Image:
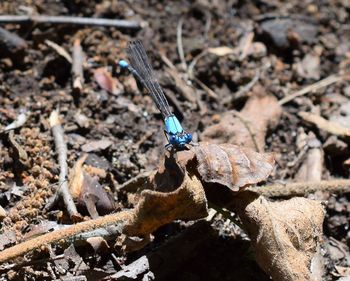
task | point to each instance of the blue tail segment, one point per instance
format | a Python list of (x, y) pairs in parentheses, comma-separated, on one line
[(142, 70), (123, 64)]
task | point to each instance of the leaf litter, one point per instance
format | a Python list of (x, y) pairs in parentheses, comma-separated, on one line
[(221, 172)]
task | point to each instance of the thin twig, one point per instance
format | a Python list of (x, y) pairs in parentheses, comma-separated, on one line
[(25, 19), (244, 89), (303, 188), (64, 234), (144, 137), (312, 88), (248, 127), (180, 48), (186, 91), (209, 91), (77, 67), (61, 147), (191, 75), (194, 62), (207, 25)]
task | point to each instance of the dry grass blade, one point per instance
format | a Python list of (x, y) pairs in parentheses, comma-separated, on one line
[(325, 125), (312, 88), (62, 52)]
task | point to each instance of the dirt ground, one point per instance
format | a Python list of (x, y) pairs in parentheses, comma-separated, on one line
[(269, 75)]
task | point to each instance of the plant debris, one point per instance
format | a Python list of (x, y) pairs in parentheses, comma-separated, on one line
[(87, 189)]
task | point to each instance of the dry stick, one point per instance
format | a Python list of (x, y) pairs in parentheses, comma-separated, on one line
[(77, 67), (303, 188), (117, 219), (190, 73), (180, 48), (209, 91), (61, 147), (11, 42), (23, 19), (312, 88)]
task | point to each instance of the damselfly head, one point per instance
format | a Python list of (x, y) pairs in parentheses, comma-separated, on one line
[(180, 140)]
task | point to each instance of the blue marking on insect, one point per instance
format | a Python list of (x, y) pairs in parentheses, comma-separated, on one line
[(176, 134), (123, 64)]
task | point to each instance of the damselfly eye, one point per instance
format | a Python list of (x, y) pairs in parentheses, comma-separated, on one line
[(188, 137)]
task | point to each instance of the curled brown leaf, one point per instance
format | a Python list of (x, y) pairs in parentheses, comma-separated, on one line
[(87, 191), (285, 234), (155, 208), (105, 80), (228, 164)]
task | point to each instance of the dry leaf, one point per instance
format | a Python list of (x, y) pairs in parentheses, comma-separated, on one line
[(126, 244), (309, 67), (7, 238), (105, 80), (42, 228), (248, 127), (82, 120), (231, 165), (343, 271), (155, 208), (99, 244), (3, 213), (71, 260), (96, 145), (285, 234), (88, 192), (76, 177), (93, 171), (93, 191)]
